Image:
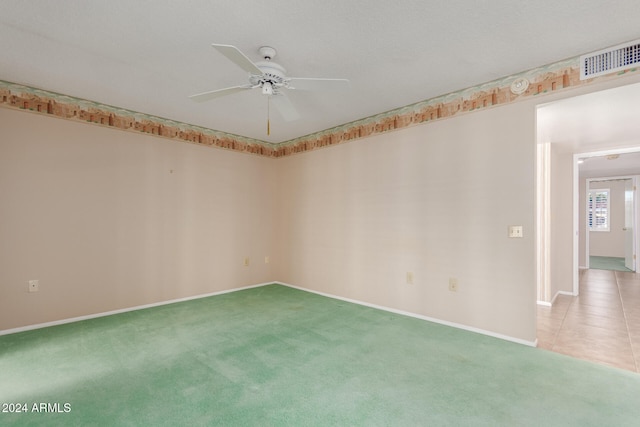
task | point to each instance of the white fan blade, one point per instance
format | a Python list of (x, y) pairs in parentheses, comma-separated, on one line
[(284, 106), (206, 96), (301, 83), (238, 58)]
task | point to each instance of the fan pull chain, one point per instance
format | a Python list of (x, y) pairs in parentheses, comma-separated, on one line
[(268, 115)]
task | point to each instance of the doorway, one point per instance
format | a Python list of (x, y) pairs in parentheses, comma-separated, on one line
[(611, 223), (588, 323), (586, 128), (612, 229)]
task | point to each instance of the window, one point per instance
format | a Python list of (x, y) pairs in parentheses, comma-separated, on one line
[(598, 209)]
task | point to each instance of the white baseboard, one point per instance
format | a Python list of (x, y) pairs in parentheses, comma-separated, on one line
[(418, 316), (553, 300), (571, 294), (379, 307), (124, 310)]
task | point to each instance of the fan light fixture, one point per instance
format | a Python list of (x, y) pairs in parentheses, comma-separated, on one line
[(267, 88)]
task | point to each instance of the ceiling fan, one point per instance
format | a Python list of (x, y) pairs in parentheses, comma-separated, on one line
[(271, 78)]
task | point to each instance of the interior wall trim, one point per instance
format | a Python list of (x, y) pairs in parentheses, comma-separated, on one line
[(124, 310), (541, 81), (226, 291), (66, 107), (418, 316)]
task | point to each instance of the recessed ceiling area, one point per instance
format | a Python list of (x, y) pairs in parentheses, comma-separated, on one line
[(150, 56), (596, 122), (611, 165)]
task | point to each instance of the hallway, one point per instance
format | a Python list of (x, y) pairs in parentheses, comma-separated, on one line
[(601, 325)]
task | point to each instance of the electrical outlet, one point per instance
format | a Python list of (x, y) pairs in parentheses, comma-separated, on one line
[(34, 285), (246, 261), (453, 284), (409, 278), (515, 231), (266, 260)]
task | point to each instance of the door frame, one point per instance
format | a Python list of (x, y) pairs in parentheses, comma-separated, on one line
[(576, 211), (634, 220)]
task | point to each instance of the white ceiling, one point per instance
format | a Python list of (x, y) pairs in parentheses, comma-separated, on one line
[(149, 56), (594, 121), (609, 166), (605, 121)]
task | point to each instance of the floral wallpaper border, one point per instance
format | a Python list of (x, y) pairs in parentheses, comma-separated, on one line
[(542, 80)]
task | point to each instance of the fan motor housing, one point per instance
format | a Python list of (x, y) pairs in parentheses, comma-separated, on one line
[(271, 72)]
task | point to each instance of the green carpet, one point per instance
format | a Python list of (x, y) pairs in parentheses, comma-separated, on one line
[(607, 263), (276, 356)]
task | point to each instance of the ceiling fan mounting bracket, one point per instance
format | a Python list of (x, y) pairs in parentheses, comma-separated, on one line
[(267, 52)]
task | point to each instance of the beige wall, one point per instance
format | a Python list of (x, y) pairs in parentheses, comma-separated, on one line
[(582, 223), (561, 218), (435, 200), (107, 219)]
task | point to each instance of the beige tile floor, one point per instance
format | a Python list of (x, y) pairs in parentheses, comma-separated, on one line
[(601, 325)]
